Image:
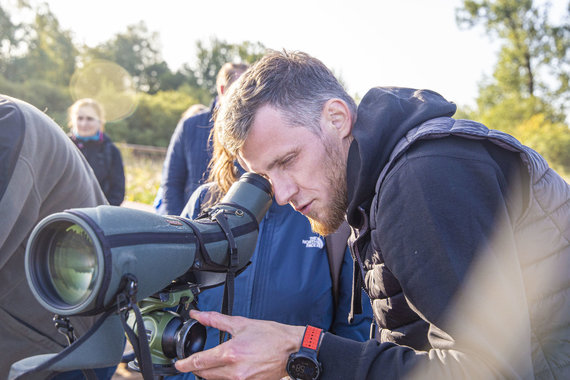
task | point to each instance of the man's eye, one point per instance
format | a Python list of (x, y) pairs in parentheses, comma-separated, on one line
[(287, 160)]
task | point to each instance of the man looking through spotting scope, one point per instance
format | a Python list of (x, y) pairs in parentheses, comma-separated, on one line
[(460, 233)]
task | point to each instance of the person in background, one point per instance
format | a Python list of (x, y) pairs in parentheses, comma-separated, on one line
[(41, 173), (193, 110), (87, 126), (454, 225), (290, 279), (186, 163)]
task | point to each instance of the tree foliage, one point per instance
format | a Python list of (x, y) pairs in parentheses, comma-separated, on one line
[(136, 50), (526, 95), (529, 91), (212, 55), (8, 39), (550, 139), (51, 99), (39, 60), (154, 119), (533, 60), (42, 50)]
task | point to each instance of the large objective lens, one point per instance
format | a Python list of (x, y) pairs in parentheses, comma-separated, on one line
[(73, 264)]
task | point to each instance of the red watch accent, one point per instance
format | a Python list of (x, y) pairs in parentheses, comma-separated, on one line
[(311, 338), (303, 364)]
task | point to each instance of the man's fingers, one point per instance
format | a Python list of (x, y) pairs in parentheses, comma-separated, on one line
[(216, 320), (204, 360)]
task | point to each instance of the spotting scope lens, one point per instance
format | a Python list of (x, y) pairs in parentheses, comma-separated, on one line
[(72, 263), (64, 264)]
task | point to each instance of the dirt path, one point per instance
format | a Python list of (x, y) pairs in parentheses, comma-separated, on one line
[(123, 373)]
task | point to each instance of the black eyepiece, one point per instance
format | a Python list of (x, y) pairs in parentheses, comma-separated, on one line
[(258, 181)]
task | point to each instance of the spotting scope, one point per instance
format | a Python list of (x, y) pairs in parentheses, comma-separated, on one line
[(79, 261)]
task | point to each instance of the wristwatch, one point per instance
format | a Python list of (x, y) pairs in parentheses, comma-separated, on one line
[(303, 364)]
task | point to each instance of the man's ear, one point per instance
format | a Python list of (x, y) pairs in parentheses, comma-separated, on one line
[(337, 115), (241, 162)]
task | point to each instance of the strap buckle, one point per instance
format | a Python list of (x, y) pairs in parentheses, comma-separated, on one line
[(64, 327)]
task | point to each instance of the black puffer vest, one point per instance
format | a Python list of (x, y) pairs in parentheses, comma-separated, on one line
[(548, 296)]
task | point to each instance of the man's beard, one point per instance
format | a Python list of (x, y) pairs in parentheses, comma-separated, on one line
[(333, 216)]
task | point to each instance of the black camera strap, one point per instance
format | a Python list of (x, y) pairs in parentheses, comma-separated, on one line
[(64, 327), (219, 216), (228, 299), (126, 301), (43, 368)]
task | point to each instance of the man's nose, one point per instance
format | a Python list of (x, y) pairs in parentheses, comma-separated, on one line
[(284, 190)]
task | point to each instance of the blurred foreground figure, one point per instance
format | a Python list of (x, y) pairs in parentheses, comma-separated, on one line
[(41, 172), (460, 234)]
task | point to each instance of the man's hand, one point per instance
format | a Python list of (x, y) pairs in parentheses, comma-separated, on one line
[(257, 350)]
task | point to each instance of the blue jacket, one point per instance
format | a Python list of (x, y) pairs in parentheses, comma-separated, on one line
[(288, 280), (186, 163)]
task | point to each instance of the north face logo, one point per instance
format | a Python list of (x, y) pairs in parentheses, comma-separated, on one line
[(314, 242)]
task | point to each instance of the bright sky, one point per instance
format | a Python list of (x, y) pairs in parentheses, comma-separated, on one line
[(414, 43)]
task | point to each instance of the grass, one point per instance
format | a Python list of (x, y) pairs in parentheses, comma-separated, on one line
[(143, 171)]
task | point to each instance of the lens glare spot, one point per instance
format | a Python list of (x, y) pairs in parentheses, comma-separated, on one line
[(73, 264)]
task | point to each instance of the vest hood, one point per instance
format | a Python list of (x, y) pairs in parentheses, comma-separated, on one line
[(384, 116)]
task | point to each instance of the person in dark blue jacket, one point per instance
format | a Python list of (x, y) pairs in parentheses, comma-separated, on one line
[(188, 154)]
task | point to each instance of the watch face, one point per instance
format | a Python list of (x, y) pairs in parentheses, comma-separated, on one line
[(303, 369)]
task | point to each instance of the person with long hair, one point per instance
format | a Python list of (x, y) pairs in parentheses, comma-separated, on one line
[(186, 164)]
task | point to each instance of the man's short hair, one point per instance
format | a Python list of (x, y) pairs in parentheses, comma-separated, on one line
[(293, 82)]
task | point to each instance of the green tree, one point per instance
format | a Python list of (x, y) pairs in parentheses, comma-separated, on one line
[(561, 57), (552, 140), (154, 119), (533, 60), (46, 96), (213, 54), (511, 111), (39, 50), (138, 51), (8, 38)]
